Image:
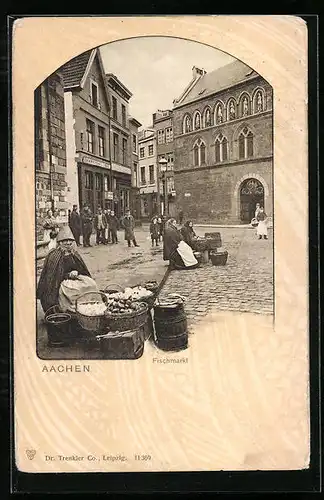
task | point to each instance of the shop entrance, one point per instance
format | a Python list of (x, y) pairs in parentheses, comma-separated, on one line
[(251, 193)]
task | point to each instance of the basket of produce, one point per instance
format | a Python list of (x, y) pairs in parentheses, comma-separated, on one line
[(152, 286), (199, 244), (213, 241), (90, 310), (218, 258), (113, 288), (125, 314)]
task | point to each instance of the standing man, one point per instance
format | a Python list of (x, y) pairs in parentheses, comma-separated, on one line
[(100, 224), (108, 217), (86, 225), (180, 217), (113, 226), (129, 225), (75, 224)]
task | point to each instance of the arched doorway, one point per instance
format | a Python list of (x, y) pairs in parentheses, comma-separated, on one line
[(251, 193)]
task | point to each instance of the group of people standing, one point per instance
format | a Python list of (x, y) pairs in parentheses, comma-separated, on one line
[(104, 222)]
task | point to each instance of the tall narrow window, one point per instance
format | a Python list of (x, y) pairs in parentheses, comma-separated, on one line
[(168, 134), (135, 174), (124, 115), (161, 136), (142, 152), (94, 94), (124, 152), (88, 180), (221, 145), (143, 180), (134, 144), (101, 141), (225, 149), (151, 174), (116, 148), (217, 151), (114, 107), (246, 144), (196, 155), (150, 150), (202, 154), (199, 153), (90, 136)]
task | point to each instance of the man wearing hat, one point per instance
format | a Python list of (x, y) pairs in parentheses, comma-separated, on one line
[(61, 263)]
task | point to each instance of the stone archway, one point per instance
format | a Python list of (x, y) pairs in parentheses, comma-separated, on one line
[(255, 192)]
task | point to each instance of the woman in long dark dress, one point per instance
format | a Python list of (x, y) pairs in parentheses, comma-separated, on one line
[(176, 250), (188, 233), (63, 262)]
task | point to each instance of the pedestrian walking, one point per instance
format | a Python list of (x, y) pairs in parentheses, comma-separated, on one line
[(161, 227), (262, 229), (107, 213), (154, 231), (180, 217), (113, 226), (129, 225), (87, 219), (100, 224), (75, 224)]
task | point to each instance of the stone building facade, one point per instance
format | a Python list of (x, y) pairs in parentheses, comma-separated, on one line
[(147, 177), (163, 126), (50, 151), (135, 201), (223, 145)]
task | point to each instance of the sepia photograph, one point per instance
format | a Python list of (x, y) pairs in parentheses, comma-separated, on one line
[(154, 197), (161, 270)]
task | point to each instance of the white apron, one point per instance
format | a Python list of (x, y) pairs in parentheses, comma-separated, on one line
[(262, 229), (186, 254)]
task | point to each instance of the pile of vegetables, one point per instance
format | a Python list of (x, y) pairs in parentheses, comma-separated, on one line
[(92, 308), (130, 294), (123, 305)]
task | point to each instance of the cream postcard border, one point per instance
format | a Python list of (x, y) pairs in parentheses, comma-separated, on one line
[(276, 47)]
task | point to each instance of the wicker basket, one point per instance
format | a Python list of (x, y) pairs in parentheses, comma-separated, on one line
[(213, 240), (126, 321), (113, 288), (90, 323), (219, 258), (200, 245)]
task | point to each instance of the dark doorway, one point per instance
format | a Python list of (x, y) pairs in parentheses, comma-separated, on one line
[(251, 193)]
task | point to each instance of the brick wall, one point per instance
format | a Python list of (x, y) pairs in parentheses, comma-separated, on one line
[(50, 137)]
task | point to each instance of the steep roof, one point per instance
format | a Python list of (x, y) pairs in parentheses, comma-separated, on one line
[(219, 79), (74, 70)]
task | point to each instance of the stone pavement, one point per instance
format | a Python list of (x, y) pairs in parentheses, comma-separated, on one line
[(245, 284)]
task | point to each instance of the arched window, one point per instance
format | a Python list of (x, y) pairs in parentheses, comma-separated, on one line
[(245, 105), (231, 109), (219, 113), (197, 121), (258, 101), (186, 126), (207, 119), (199, 153), (221, 148), (245, 142)]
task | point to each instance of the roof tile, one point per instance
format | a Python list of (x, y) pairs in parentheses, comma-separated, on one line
[(73, 70)]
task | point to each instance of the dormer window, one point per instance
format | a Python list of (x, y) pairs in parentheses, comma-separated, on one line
[(94, 94)]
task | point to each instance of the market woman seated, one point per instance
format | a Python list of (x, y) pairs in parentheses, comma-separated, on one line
[(188, 233), (176, 250), (64, 275)]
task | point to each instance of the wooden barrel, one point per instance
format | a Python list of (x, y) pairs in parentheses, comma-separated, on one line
[(58, 328), (170, 323)]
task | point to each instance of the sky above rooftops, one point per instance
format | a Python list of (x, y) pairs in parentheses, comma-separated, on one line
[(157, 69)]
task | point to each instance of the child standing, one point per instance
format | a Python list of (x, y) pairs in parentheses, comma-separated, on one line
[(154, 231)]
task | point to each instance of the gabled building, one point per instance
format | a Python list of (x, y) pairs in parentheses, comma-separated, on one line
[(223, 145), (99, 156), (147, 177)]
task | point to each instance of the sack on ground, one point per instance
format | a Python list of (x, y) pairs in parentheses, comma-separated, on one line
[(70, 290)]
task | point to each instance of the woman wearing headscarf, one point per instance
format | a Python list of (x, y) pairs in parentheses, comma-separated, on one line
[(175, 249), (62, 265), (51, 229), (188, 233), (262, 229)]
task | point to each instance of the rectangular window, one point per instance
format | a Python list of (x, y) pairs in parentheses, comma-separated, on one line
[(116, 148), (106, 183), (142, 152), (114, 107), (90, 136), (249, 141), (88, 180), (101, 141), (161, 136), (202, 154), (135, 174), (124, 152), (143, 180), (241, 146), (114, 183), (224, 151), (98, 180), (94, 94), (169, 134), (134, 143), (196, 155), (150, 150), (217, 151), (151, 174), (123, 115)]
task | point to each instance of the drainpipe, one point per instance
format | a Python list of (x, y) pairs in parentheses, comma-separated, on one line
[(50, 150)]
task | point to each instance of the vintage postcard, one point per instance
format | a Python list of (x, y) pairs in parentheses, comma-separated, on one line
[(160, 171)]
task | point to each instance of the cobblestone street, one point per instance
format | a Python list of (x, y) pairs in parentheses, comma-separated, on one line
[(245, 284)]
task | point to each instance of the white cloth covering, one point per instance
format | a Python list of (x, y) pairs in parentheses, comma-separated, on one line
[(186, 253)]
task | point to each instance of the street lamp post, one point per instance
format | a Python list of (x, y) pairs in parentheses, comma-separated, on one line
[(163, 168)]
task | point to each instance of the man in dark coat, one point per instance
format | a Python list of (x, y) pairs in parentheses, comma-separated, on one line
[(113, 226), (75, 224), (100, 224), (61, 263), (180, 217), (86, 225), (129, 225)]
